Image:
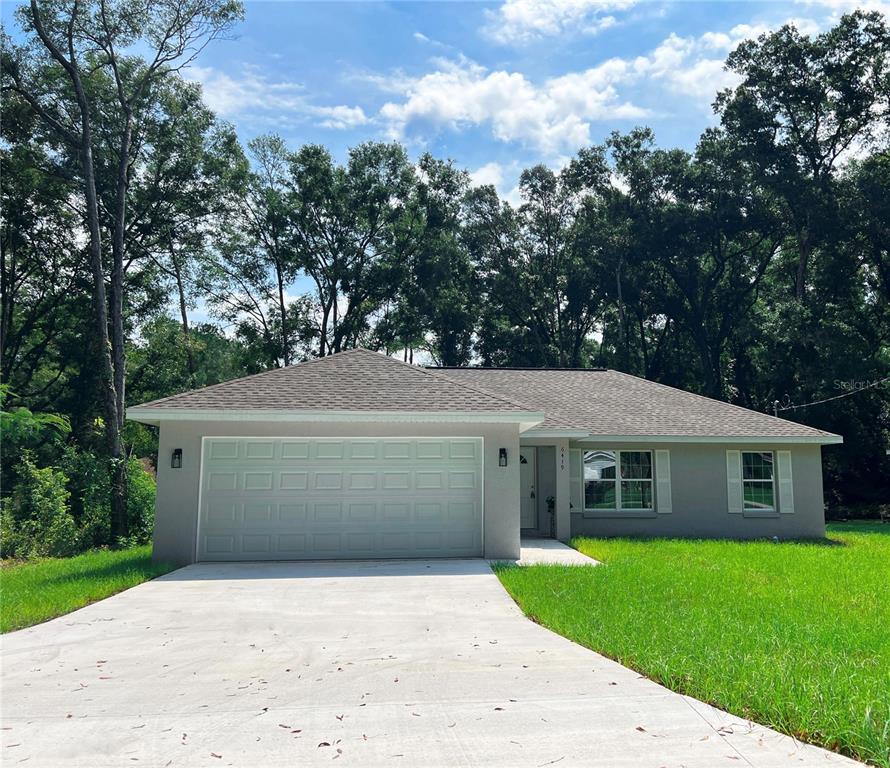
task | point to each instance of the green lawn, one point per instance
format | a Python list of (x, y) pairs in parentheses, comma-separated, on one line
[(32, 592), (792, 635)]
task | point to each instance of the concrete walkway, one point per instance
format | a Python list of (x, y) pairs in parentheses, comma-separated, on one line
[(550, 552), (423, 663)]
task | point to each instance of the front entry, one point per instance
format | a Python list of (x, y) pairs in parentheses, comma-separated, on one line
[(528, 509)]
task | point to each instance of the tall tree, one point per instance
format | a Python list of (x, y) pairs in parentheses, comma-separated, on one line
[(804, 104), (74, 48), (542, 296)]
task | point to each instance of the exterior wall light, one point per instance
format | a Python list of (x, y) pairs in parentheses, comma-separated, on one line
[(176, 459), (502, 457)]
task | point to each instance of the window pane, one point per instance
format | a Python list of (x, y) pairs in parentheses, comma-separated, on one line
[(757, 466), (636, 465), (636, 494), (759, 495), (599, 465), (599, 494)]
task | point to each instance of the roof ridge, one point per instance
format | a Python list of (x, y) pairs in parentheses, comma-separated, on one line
[(478, 390)]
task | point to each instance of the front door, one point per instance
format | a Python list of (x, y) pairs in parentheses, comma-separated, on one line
[(528, 508)]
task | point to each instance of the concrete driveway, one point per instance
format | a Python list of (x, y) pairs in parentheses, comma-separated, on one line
[(422, 663)]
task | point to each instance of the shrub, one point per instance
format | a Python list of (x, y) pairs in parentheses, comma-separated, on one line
[(36, 521), (140, 502), (90, 484)]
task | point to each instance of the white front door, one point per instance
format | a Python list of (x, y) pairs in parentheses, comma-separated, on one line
[(273, 498), (528, 509)]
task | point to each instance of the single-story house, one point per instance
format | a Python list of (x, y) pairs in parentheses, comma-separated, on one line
[(359, 455)]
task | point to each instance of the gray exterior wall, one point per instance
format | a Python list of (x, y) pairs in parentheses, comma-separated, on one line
[(176, 511), (700, 499)]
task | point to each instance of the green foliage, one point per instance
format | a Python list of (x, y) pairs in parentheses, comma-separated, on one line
[(90, 482), (791, 635), (141, 489), (37, 521)]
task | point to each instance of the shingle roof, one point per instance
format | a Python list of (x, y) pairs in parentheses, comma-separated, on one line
[(355, 380), (605, 402)]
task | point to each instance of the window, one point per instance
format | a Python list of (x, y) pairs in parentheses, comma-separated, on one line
[(758, 484), (618, 480)]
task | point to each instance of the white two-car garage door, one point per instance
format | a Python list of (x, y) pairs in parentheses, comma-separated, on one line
[(323, 498)]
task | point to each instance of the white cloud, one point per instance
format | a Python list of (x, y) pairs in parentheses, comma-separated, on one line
[(520, 21), (490, 173), (253, 94), (229, 96), (341, 117), (552, 116)]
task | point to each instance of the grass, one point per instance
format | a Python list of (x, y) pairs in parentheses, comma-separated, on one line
[(793, 635), (35, 591)]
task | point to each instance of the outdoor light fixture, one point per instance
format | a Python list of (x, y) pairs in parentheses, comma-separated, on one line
[(502, 457), (176, 460)]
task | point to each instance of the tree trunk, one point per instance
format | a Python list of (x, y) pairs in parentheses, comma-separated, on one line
[(804, 250), (282, 308), (184, 315), (83, 141), (119, 523)]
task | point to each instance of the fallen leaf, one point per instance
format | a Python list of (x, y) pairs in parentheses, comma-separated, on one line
[(325, 744), (641, 729)]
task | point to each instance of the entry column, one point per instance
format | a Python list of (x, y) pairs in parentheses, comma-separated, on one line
[(563, 492)]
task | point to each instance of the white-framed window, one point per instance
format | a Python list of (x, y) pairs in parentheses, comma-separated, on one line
[(618, 481), (758, 481)]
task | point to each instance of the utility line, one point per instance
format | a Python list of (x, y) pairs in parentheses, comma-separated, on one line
[(872, 385)]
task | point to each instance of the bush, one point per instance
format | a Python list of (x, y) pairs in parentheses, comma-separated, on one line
[(36, 521), (59, 511), (90, 485), (141, 488)]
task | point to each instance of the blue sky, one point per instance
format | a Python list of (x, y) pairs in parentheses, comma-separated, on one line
[(496, 86)]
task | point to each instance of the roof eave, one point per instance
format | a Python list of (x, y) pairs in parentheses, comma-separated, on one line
[(154, 416), (827, 439)]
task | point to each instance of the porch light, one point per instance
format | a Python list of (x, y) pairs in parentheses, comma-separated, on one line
[(176, 459), (502, 457)]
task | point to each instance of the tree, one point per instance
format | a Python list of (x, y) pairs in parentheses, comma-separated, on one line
[(709, 233), (350, 234), (802, 106), (538, 265), (435, 304), (74, 47)]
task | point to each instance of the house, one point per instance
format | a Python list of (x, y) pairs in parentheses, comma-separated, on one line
[(358, 455)]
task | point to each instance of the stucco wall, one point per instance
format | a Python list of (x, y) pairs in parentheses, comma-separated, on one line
[(700, 499), (177, 498)]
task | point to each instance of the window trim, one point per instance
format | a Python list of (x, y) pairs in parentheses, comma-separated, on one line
[(618, 510), (754, 511)]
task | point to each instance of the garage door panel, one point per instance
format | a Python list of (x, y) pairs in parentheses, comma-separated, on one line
[(259, 450), (305, 498)]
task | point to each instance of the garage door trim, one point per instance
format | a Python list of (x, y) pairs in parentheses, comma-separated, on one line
[(204, 438)]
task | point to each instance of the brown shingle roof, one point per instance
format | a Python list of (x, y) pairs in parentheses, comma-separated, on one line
[(355, 380), (604, 402)]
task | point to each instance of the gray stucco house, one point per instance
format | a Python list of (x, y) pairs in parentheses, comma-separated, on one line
[(358, 455)]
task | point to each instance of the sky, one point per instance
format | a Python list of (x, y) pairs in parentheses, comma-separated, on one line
[(495, 86)]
